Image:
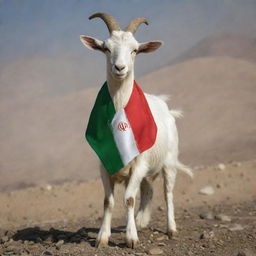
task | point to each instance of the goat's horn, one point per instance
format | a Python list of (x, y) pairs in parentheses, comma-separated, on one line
[(134, 24), (108, 19)]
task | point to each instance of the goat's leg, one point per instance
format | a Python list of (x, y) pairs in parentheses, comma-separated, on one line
[(105, 230), (138, 173), (169, 174), (144, 212)]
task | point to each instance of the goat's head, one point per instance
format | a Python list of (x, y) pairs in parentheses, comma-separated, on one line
[(121, 47)]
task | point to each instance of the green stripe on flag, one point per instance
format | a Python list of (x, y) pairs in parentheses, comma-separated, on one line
[(99, 135)]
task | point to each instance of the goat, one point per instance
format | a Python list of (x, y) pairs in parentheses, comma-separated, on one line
[(120, 50)]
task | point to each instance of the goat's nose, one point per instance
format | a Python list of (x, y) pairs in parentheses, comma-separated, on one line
[(119, 67)]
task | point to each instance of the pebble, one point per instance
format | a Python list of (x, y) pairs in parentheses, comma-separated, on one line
[(5, 239), (222, 217), (221, 167), (241, 254), (208, 190), (236, 227), (48, 187), (206, 215), (160, 208), (59, 244), (207, 235), (161, 238), (155, 251), (237, 164)]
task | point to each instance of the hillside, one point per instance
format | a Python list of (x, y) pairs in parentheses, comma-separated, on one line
[(43, 140), (223, 44)]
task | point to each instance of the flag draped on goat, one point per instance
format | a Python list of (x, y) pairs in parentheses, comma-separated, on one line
[(118, 137)]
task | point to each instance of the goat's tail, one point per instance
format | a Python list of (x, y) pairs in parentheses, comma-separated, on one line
[(184, 169), (176, 113)]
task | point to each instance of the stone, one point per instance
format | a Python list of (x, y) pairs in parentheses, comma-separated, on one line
[(221, 167), (161, 238), (160, 208), (59, 244), (241, 254), (208, 190), (5, 239), (48, 187), (222, 217), (237, 164), (155, 251), (207, 235), (236, 227), (206, 215)]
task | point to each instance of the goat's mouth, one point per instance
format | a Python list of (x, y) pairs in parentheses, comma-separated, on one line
[(119, 75)]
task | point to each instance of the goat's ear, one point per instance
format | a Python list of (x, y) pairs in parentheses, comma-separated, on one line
[(149, 47), (92, 43)]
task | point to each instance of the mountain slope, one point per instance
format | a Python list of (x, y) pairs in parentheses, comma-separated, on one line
[(224, 44), (43, 141)]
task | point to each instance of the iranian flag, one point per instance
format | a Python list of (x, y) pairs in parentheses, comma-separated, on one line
[(118, 137)]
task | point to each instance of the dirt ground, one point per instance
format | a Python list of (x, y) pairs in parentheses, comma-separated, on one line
[(64, 219)]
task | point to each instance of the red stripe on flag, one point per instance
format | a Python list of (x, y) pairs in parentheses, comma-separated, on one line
[(141, 120)]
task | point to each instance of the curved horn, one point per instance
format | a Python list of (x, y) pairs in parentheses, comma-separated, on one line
[(134, 24), (108, 19)]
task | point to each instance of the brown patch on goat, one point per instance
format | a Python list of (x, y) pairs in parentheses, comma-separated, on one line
[(106, 203), (130, 202)]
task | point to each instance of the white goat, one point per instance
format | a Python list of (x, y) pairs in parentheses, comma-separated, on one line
[(120, 50)]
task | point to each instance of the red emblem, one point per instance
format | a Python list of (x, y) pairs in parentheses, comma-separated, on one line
[(123, 126)]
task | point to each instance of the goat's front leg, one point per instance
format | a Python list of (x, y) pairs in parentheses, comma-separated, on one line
[(105, 230), (138, 173)]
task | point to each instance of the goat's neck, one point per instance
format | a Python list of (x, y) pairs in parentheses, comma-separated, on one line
[(120, 91)]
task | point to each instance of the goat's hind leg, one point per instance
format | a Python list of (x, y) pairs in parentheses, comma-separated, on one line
[(169, 174), (144, 212), (105, 230)]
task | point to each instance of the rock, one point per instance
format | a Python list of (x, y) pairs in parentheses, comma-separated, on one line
[(155, 251), (46, 253), (161, 238), (236, 227), (92, 235), (206, 215), (241, 254), (207, 235), (2, 232), (237, 164), (60, 242), (222, 217), (5, 239), (221, 167), (208, 190), (48, 187), (9, 234), (160, 208)]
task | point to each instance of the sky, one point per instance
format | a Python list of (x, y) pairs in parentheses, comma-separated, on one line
[(36, 29)]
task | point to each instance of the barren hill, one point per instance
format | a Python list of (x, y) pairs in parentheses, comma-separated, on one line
[(43, 141), (223, 44)]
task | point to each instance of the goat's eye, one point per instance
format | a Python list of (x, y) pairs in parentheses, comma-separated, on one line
[(106, 49), (134, 51)]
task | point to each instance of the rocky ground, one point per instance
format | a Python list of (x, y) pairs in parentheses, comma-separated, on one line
[(215, 215)]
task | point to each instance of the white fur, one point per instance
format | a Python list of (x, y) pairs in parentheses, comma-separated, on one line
[(162, 157)]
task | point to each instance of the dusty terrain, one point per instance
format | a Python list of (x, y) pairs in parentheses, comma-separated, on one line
[(64, 219)]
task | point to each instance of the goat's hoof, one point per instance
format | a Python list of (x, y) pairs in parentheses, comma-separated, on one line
[(171, 234), (142, 220), (101, 243), (132, 243)]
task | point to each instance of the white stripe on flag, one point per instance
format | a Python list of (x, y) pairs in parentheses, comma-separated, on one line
[(124, 137)]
